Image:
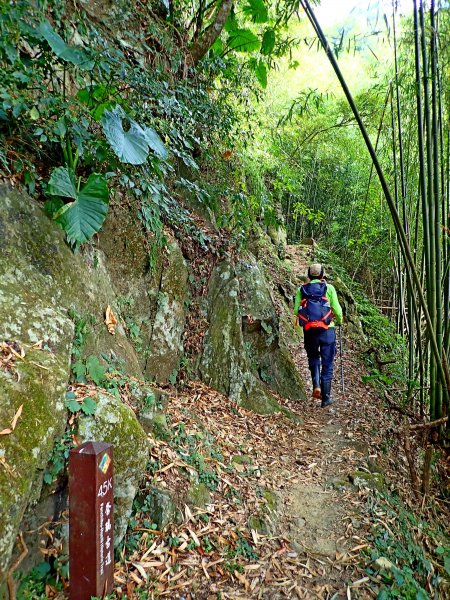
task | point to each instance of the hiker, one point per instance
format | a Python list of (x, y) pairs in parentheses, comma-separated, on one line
[(316, 310)]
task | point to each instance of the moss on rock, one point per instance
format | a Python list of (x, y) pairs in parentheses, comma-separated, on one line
[(39, 387), (162, 508), (373, 481), (198, 495), (116, 424), (242, 355), (166, 345)]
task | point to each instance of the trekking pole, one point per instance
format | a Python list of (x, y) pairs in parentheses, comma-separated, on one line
[(342, 363)]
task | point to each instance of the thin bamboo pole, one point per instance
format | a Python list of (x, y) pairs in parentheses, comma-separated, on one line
[(430, 273), (436, 199)]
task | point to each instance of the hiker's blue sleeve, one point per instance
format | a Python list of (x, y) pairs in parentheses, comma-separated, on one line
[(334, 303)]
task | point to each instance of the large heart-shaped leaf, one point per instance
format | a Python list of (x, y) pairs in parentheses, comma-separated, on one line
[(155, 143), (62, 183), (73, 54), (243, 40), (82, 218), (130, 146)]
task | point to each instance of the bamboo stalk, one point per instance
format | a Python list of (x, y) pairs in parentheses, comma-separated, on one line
[(436, 198)]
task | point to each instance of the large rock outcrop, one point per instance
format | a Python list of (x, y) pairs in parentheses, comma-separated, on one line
[(113, 423), (244, 352), (41, 279), (153, 298), (243, 355)]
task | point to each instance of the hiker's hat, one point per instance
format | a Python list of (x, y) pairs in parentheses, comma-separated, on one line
[(315, 271)]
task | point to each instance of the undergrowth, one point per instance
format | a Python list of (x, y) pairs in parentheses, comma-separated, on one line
[(410, 555)]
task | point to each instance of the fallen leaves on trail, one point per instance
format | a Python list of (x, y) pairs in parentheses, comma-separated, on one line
[(110, 320), (255, 460)]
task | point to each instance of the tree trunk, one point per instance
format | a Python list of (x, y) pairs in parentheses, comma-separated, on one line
[(204, 42)]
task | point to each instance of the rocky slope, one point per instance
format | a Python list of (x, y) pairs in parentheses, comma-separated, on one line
[(53, 306)]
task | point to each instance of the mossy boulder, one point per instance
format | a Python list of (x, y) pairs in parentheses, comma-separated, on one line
[(162, 508), (166, 342), (41, 280), (224, 364), (198, 495), (263, 522), (37, 384), (373, 481), (116, 424), (242, 354), (151, 404), (262, 330), (124, 244)]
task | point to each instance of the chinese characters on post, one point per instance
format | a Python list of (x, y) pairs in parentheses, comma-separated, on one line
[(91, 520)]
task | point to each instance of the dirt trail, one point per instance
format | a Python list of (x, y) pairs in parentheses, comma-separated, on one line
[(322, 508), (281, 517)]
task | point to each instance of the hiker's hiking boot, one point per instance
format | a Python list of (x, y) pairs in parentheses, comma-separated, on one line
[(326, 393), (315, 374)]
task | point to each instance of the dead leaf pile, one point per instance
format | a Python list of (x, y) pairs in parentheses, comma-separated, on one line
[(215, 549)]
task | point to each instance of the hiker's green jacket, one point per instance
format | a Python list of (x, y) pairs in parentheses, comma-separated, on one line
[(332, 298)]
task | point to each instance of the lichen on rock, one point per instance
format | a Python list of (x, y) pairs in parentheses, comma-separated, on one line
[(166, 345), (243, 356), (115, 423)]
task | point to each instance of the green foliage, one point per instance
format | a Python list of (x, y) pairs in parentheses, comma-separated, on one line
[(379, 330), (76, 55), (59, 457), (257, 11), (131, 145), (33, 586), (405, 545), (89, 370), (81, 331), (268, 42), (88, 405), (188, 448), (84, 217), (49, 119), (243, 40)]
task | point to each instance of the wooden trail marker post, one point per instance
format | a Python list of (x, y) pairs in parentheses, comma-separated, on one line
[(91, 522)]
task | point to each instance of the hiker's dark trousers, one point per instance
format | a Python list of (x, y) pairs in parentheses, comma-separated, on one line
[(320, 346)]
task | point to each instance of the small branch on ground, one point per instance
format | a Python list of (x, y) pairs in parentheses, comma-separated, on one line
[(15, 566), (411, 465)]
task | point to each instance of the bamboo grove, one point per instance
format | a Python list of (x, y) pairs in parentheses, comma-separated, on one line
[(416, 189)]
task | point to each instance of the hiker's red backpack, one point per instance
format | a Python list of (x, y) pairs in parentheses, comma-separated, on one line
[(315, 310)]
